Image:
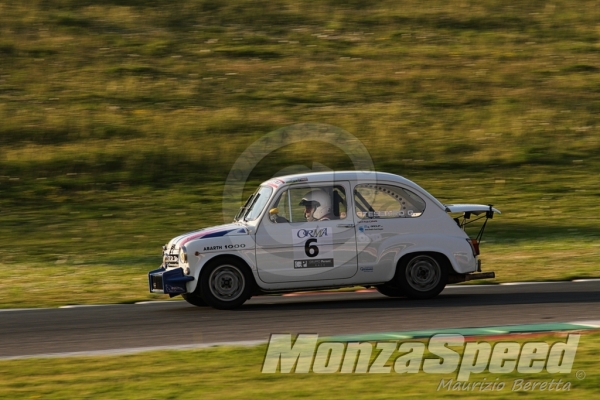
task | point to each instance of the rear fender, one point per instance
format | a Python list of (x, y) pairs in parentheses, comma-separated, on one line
[(461, 259)]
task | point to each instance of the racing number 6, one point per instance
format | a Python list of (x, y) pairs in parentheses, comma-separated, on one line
[(310, 249)]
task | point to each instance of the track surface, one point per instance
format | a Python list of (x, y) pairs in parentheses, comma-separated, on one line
[(83, 329)]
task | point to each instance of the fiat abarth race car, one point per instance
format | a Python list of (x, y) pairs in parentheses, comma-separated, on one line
[(326, 230)]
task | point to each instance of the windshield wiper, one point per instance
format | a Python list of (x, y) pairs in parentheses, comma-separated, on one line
[(243, 208), (251, 205)]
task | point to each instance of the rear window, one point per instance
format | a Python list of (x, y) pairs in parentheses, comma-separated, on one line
[(386, 201)]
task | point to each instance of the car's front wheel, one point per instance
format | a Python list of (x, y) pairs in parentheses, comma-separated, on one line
[(422, 276), (225, 283), (194, 299)]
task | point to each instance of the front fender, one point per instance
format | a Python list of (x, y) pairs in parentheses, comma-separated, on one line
[(204, 259), (202, 250)]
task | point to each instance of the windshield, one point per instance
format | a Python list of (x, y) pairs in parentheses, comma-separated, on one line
[(255, 204), (243, 208)]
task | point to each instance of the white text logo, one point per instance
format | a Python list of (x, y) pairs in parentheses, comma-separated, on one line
[(306, 354)]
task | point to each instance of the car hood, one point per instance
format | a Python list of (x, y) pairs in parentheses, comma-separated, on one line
[(234, 229)]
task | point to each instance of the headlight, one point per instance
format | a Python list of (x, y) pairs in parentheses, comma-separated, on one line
[(183, 255)]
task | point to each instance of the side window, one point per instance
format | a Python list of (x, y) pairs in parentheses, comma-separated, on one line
[(386, 201), (281, 211), (318, 203)]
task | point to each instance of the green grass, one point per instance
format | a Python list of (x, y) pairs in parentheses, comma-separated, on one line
[(231, 373), (120, 120)]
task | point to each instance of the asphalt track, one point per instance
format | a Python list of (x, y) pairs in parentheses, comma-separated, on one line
[(175, 324)]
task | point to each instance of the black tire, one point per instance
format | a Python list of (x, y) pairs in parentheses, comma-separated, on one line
[(194, 299), (226, 283), (389, 290), (422, 275)]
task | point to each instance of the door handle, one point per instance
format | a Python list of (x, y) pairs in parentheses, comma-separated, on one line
[(345, 225)]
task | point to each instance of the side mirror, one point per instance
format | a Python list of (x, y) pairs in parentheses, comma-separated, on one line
[(273, 214)]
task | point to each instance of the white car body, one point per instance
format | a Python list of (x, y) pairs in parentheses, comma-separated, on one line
[(360, 246)]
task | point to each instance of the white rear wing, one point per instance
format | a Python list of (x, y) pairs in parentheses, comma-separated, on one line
[(472, 209), (475, 209)]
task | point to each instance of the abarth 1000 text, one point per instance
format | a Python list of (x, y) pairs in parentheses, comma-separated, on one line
[(327, 230)]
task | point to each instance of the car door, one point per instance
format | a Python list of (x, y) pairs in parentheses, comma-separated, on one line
[(291, 249)]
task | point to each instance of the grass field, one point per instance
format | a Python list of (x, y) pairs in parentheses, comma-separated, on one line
[(120, 120), (233, 373)]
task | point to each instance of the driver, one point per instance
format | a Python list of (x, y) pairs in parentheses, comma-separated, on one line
[(317, 205)]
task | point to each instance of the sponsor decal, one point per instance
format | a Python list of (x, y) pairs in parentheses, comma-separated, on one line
[(173, 289), (312, 233), (275, 183), (321, 263), (209, 248), (296, 180), (385, 214), (366, 235), (441, 354), (313, 243), (366, 228), (376, 214)]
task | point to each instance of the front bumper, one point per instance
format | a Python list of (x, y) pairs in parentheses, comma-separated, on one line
[(168, 281)]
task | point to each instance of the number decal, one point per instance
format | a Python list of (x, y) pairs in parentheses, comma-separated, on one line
[(310, 249), (312, 245)]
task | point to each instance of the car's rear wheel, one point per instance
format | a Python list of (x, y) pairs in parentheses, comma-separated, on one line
[(389, 290), (194, 299), (225, 283), (423, 275)]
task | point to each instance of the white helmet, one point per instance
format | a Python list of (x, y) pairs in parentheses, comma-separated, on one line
[(319, 202)]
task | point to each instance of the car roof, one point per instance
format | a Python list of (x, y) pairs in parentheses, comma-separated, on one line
[(343, 175), (366, 176)]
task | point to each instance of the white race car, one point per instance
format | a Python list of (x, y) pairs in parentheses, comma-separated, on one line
[(326, 230)]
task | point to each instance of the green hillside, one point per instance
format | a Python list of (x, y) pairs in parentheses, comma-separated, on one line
[(120, 122)]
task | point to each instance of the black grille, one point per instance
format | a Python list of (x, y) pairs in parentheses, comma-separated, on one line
[(157, 282)]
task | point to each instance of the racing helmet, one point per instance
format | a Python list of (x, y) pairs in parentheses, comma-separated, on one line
[(319, 203)]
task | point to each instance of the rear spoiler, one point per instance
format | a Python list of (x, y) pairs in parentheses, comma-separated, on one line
[(475, 209), (472, 209)]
